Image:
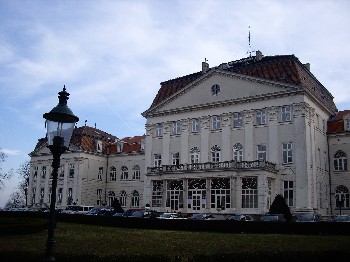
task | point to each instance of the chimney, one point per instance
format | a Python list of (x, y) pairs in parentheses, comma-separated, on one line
[(307, 65), (205, 66), (258, 55)]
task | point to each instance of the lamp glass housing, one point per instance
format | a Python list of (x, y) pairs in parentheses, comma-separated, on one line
[(61, 129)]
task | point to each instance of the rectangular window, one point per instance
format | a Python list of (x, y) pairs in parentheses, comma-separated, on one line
[(41, 195), (157, 193), (176, 128), (43, 172), (287, 150), (99, 195), (70, 196), (194, 158), (61, 171), (216, 123), (60, 191), (100, 173), (36, 169), (215, 156), (288, 192), (261, 117), (136, 173), (195, 125), (71, 170), (175, 158), (237, 120), (158, 130), (261, 152), (33, 195), (50, 193), (286, 114), (347, 124), (157, 160), (249, 192)]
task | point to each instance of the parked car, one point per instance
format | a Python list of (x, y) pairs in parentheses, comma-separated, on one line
[(96, 211), (308, 218), (243, 218), (273, 218), (202, 217), (341, 218), (170, 216)]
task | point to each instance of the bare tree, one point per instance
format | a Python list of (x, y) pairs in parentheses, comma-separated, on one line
[(24, 172), (3, 175), (16, 200)]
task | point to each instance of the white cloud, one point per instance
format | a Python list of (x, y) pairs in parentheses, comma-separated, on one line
[(12, 152)]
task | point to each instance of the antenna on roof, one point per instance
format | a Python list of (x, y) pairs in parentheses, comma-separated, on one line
[(250, 47), (85, 121), (95, 125)]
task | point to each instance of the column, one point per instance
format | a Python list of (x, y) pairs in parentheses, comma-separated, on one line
[(205, 129), (184, 158), (249, 153), (226, 144), (166, 144), (273, 143)]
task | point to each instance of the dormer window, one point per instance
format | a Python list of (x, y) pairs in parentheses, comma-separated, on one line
[(119, 148), (99, 146), (215, 90), (142, 144)]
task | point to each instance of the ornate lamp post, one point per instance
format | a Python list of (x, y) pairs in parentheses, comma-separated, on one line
[(60, 123)]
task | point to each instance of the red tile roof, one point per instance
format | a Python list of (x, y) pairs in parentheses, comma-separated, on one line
[(85, 138), (130, 144), (284, 68), (336, 123)]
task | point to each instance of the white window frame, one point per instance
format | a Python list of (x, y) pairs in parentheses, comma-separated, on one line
[(261, 152), (195, 123), (215, 123), (60, 195), (158, 130), (176, 128), (122, 198), (71, 170), (175, 158), (157, 160), (70, 196), (99, 146), (113, 174), (43, 172), (237, 120), (125, 173), (135, 199), (287, 153), (250, 195), (286, 114), (261, 117), (340, 161), (136, 172), (98, 196), (215, 154), (288, 192), (238, 152)]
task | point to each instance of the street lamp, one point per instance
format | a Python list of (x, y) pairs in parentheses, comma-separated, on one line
[(60, 122)]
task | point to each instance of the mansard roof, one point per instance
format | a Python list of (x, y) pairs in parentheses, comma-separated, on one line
[(130, 145), (336, 123), (280, 68), (84, 138)]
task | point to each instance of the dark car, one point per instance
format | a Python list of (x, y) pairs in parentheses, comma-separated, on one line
[(273, 218), (341, 218), (243, 218), (308, 218), (201, 217)]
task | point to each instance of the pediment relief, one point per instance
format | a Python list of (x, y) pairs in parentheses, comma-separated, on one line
[(288, 171)]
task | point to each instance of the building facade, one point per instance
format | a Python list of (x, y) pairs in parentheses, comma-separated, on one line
[(226, 139)]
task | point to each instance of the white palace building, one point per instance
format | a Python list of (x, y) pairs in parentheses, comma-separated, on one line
[(226, 139)]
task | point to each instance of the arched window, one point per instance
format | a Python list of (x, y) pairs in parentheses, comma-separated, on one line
[(215, 154), (135, 200), (136, 172), (111, 197), (342, 196), (122, 198), (340, 161), (125, 173), (113, 174)]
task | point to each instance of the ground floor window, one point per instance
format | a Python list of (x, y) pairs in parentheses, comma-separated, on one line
[(196, 194), (122, 198), (174, 194), (98, 193), (250, 192), (135, 200), (342, 197), (288, 192), (111, 197), (220, 191), (157, 193)]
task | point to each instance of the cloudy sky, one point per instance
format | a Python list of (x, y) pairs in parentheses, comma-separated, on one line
[(112, 55)]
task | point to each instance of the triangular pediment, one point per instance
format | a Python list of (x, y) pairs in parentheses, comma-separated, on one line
[(219, 87)]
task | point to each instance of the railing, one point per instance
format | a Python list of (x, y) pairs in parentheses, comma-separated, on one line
[(227, 165)]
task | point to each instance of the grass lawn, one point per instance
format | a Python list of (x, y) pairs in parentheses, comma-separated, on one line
[(78, 242)]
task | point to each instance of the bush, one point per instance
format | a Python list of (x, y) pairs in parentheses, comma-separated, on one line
[(279, 206)]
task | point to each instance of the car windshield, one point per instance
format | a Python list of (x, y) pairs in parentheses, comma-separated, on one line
[(306, 217)]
